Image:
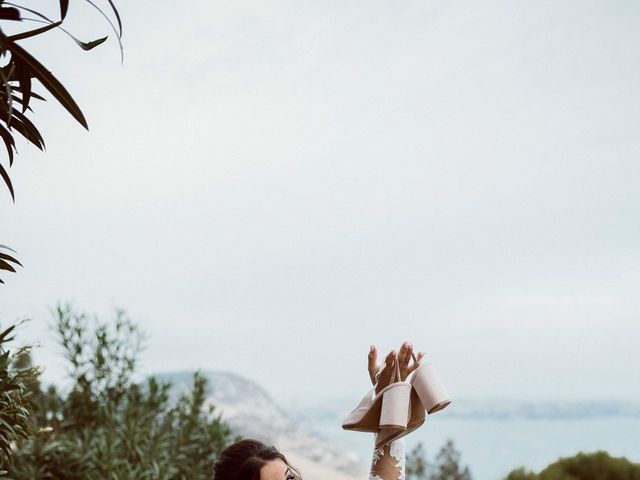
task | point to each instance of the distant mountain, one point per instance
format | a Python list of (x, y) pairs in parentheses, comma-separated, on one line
[(252, 413)]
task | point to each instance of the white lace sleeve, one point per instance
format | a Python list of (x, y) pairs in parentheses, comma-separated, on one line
[(388, 462)]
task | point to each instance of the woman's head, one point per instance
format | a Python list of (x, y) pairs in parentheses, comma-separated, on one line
[(253, 460)]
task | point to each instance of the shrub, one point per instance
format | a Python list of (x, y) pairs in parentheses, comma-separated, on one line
[(109, 426), (584, 466), (16, 380)]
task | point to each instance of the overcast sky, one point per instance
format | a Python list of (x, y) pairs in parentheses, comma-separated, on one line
[(268, 187)]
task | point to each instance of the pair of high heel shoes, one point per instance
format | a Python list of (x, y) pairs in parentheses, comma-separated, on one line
[(400, 407)]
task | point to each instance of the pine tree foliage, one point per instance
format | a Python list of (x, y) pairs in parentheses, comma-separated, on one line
[(417, 466), (446, 465)]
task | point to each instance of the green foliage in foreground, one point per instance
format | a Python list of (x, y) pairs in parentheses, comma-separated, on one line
[(107, 425), (583, 466), (15, 380)]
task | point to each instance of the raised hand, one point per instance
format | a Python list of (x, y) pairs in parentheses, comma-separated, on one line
[(382, 377)]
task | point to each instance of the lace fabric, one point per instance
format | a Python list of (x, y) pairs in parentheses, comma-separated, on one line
[(388, 462)]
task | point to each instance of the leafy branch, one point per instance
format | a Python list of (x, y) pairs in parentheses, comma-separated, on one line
[(17, 76)]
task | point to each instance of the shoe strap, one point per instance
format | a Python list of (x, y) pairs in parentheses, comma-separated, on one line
[(396, 377), (415, 360)]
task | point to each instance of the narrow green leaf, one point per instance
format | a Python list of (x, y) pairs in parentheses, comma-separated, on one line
[(5, 80), (6, 266), (115, 11), (50, 82), (31, 128), (9, 13), (64, 8), (32, 33), (9, 142), (33, 94), (91, 44), (7, 181), (24, 127), (6, 332), (9, 258), (17, 99), (118, 31), (81, 44), (24, 81)]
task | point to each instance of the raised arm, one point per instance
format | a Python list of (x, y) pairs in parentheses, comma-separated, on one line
[(388, 462)]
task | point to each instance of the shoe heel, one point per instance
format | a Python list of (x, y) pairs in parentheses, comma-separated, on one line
[(430, 389), (394, 411)]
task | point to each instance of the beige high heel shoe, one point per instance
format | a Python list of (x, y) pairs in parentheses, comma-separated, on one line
[(429, 388), (428, 396), (384, 413), (401, 407)]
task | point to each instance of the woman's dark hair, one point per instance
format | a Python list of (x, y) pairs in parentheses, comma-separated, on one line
[(244, 459)]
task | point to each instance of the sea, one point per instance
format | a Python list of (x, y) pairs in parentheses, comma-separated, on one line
[(492, 447)]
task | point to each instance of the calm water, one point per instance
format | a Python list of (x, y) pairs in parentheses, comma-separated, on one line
[(493, 447)]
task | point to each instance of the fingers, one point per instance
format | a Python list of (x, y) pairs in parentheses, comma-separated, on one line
[(404, 357), (387, 371), (372, 360), (389, 359), (406, 351)]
